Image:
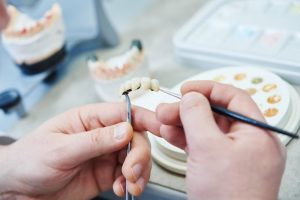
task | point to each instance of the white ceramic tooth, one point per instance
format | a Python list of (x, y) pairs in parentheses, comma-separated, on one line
[(146, 83), (154, 85), (135, 83), (128, 85)]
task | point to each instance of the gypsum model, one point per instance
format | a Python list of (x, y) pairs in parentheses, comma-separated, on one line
[(35, 45)]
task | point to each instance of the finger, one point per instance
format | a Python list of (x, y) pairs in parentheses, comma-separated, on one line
[(198, 121), (168, 114), (87, 145), (94, 116), (136, 188), (137, 160), (119, 186), (224, 95), (145, 120), (174, 135)]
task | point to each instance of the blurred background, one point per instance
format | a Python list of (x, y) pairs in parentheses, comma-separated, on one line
[(84, 33), (181, 39)]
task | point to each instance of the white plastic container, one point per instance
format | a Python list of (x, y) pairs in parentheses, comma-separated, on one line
[(235, 32)]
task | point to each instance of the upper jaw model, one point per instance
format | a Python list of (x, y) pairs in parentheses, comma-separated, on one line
[(35, 45), (109, 74), (117, 66)]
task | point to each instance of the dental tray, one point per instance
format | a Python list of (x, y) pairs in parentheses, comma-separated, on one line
[(233, 32)]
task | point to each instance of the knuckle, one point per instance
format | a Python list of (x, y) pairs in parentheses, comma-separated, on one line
[(239, 92), (94, 139), (99, 135), (234, 89)]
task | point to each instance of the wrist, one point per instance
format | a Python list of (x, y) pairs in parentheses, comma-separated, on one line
[(7, 184), (5, 143), (4, 172)]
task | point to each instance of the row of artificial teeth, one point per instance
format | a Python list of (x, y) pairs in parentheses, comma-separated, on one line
[(36, 27), (139, 83), (131, 57)]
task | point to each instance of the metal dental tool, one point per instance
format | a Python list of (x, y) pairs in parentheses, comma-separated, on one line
[(239, 117), (128, 196)]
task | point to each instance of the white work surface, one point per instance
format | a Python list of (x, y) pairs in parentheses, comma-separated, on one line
[(155, 26)]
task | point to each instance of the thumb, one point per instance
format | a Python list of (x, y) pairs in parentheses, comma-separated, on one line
[(198, 121), (87, 145)]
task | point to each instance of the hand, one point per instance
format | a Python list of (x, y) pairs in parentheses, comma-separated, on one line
[(226, 159), (4, 17), (79, 154)]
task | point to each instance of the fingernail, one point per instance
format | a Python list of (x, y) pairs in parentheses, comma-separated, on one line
[(137, 171), (141, 183), (120, 131)]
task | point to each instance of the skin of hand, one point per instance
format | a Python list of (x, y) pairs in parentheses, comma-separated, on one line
[(226, 159), (4, 17), (79, 154)]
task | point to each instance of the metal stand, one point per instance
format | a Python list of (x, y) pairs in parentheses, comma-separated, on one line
[(106, 37)]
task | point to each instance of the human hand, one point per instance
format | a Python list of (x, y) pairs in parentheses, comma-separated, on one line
[(79, 154), (226, 159), (4, 17)]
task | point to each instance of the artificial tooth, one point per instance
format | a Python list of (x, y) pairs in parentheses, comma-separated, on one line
[(128, 85), (146, 83), (135, 83), (154, 85)]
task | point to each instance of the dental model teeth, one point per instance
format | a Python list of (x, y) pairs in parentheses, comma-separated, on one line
[(117, 66), (139, 84), (109, 74), (34, 45)]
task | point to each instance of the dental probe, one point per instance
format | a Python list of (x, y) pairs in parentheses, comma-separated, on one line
[(129, 120), (239, 117)]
